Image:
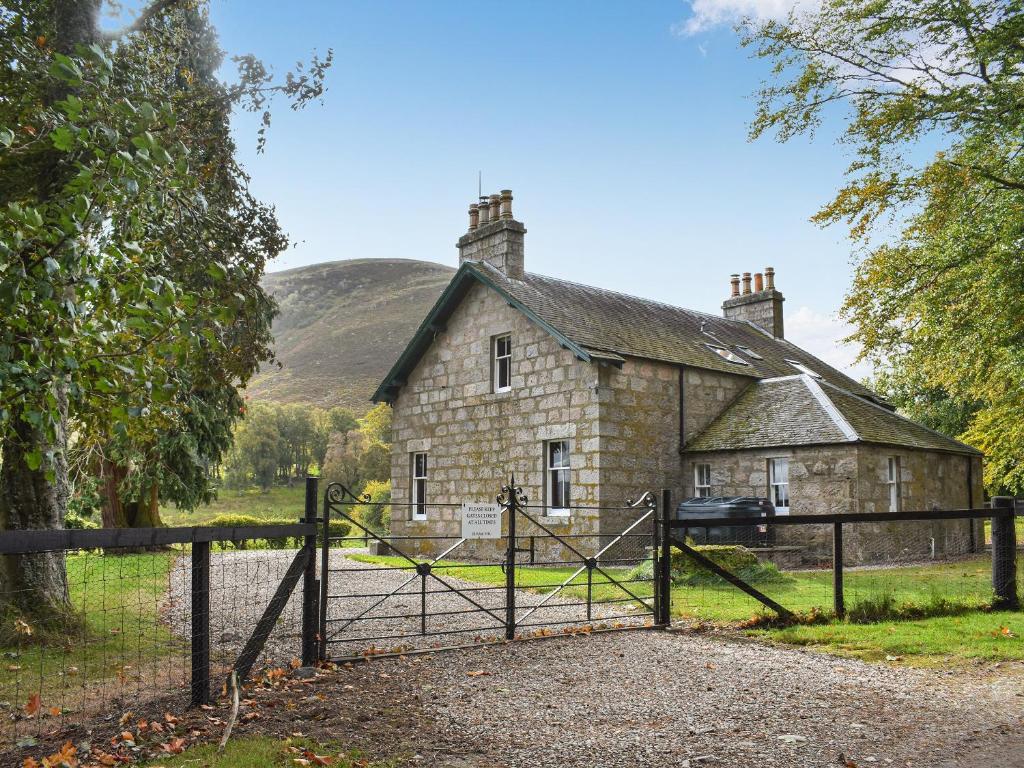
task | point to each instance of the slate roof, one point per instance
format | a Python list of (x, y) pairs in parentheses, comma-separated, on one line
[(600, 324), (802, 410)]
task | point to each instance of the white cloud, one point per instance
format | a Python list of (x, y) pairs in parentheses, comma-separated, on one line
[(712, 13), (822, 335)]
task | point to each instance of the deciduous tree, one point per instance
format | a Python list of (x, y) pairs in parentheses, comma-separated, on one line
[(932, 97)]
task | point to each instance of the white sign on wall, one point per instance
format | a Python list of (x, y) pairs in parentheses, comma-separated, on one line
[(481, 521)]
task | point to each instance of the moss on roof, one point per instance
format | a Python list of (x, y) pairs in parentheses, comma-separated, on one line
[(801, 410)]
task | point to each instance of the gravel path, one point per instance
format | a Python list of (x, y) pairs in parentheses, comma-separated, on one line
[(653, 698), (243, 582), (644, 698)]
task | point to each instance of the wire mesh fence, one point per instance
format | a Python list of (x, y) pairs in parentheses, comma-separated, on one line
[(891, 569), (123, 642)]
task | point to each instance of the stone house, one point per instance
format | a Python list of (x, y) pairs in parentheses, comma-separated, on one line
[(591, 396)]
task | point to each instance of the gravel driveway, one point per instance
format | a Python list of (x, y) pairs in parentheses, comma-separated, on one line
[(243, 582)]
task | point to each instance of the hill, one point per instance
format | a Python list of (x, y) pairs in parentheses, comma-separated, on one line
[(342, 325)]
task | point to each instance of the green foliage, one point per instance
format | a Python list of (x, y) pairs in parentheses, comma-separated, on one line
[(363, 455), (377, 514), (338, 528), (934, 198)]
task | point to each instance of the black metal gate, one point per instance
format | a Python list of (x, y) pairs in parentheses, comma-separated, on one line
[(427, 587)]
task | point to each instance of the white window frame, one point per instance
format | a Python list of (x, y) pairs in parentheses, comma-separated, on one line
[(553, 474), (702, 472), (496, 363), (418, 486), (774, 484), (749, 352), (894, 481)]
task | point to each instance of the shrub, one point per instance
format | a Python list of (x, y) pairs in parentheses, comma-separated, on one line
[(739, 561), (377, 514), (338, 528)]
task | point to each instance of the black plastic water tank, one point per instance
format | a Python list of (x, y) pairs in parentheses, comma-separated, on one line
[(728, 507)]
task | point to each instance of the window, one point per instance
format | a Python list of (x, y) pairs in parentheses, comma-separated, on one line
[(749, 352), (725, 354), (804, 369), (895, 490), (701, 479), (778, 484), (501, 368), (419, 486), (557, 472)]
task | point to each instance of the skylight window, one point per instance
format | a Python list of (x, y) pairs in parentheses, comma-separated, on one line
[(749, 352), (725, 354), (804, 369)]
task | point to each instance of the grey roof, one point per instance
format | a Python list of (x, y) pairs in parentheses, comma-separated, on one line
[(802, 410), (599, 319), (605, 325)]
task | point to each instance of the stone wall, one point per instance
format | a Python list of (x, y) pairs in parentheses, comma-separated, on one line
[(638, 437), (841, 479), (474, 437), (707, 394)]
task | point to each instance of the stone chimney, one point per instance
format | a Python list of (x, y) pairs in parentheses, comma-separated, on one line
[(494, 236), (761, 306)]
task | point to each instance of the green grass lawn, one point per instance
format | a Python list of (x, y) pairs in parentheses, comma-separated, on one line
[(962, 590), (118, 596), (265, 752), (278, 502)]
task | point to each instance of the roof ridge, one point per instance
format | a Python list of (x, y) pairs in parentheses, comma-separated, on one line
[(638, 298), (899, 416), (830, 408)]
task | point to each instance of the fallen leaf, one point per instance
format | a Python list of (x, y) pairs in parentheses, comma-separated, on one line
[(22, 627), (32, 705), (478, 673), (316, 759), (174, 747), (168, 717), (125, 718), (54, 711), (30, 762)]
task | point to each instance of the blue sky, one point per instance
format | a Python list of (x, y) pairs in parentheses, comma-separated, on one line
[(622, 135)]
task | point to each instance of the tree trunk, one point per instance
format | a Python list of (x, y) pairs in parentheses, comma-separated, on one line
[(112, 509), (34, 585)]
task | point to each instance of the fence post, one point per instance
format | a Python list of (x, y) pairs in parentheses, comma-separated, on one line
[(510, 563), (310, 588), (838, 602), (200, 623), (665, 577), (325, 553), (1004, 554)]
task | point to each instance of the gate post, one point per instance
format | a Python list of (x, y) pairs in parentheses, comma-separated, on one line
[(1004, 554), (324, 566), (665, 562), (200, 623), (512, 506), (310, 588)]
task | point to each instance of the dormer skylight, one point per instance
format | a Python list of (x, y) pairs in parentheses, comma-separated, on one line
[(726, 354), (804, 369), (749, 352)]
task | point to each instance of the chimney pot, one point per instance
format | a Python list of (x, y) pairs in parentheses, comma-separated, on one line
[(484, 210), (746, 283), (769, 275), (474, 216), (495, 212), (506, 203), (758, 282), (734, 281)]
